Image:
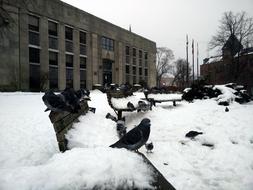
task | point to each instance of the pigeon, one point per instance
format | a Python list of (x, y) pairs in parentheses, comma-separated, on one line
[(149, 147), (193, 134), (130, 106), (226, 109), (83, 94), (71, 100), (136, 137), (54, 102)]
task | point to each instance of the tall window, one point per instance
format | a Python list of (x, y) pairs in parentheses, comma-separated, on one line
[(53, 35), (34, 52), (134, 56), (146, 59), (107, 43), (53, 70), (134, 74), (33, 27), (34, 69), (69, 71), (83, 73), (68, 39), (82, 40)]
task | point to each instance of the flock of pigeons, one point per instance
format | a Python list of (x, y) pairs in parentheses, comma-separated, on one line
[(69, 100)]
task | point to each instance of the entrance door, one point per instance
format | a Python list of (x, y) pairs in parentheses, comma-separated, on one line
[(107, 72)]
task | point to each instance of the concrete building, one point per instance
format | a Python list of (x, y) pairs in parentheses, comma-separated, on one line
[(50, 44)]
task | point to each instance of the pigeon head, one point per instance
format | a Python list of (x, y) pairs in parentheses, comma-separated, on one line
[(145, 122)]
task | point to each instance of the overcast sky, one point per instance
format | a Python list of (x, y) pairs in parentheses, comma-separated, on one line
[(167, 21)]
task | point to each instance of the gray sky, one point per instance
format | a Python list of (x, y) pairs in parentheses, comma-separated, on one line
[(167, 21)]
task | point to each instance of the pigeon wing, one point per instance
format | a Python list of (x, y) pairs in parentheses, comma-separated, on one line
[(132, 137)]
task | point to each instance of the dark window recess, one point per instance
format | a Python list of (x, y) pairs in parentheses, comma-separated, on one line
[(33, 23), (82, 37), (53, 43), (34, 77), (34, 38), (69, 60), (127, 69), (68, 46), (83, 62), (107, 43), (146, 55), (127, 50), (140, 62), (82, 78), (134, 70), (53, 77), (146, 72), (134, 52), (134, 79), (52, 28), (107, 66), (69, 77), (146, 63), (128, 78), (134, 61), (140, 71), (140, 54), (68, 33), (34, 55), (53, 58), (127, 59), (83, 49)]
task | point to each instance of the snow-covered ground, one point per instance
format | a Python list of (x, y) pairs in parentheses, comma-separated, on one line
[(30, 159)]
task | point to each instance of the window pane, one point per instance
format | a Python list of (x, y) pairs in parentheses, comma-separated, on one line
[(134, 52), (34, 55), (53, 43), (33, 23), (140, 71), (140, 54), (82, 79), (53, 77), (146, 55), (68, 46), (68, 33), (53, 58), (127, 50), (34, 79), (127, 69), (69, 60), (52, 28), (69, 78), (146, 72), (83, 62), (82, 49), (82, 37), (134, 70), (34, 38)]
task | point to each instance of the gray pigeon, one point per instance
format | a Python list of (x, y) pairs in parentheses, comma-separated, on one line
[(136, 137)]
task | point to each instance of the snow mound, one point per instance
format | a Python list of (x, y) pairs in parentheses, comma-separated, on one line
[(165, 96), (121, 103), (102, 168), (227, 94)]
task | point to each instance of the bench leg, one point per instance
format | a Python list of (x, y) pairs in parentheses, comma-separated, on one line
[(119, 115), (174, 103)]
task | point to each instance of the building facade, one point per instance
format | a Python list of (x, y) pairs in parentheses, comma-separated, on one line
[(230, 69), (48, 44)]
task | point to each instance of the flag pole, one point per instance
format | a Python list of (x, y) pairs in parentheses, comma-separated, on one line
[(193, 61), (198, 74), (187, 67)]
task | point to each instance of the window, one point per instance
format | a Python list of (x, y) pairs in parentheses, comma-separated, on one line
[(140, 54), (82, 62), (127, 69), (134, 61), (34, 55), (83, 50), (53, 58), (146, 72), (134, 52), (69, 60), (134, 70), (127, 59), (69, 71), (82, 36), (33, 26), (107, 44), (52, 28), (140, 71), (68, 33), (33, 23), (146, 59), (52, 35), (127, 50)]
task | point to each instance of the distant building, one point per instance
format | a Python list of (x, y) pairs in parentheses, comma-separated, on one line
[(234, 65), (50, 44)]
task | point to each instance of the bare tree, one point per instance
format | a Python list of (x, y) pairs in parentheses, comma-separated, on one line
[(180, 73), (238, 25), (164, 56)]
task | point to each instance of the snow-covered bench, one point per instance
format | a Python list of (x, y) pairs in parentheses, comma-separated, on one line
[(121, 101), (62, 122), (158, 97)]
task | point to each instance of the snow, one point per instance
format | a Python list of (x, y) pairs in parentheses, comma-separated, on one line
[(164, 97), (227, 94), (30, 158), (121, 103)]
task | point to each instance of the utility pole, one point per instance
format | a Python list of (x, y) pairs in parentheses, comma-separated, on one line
[(187, 67), (192, 61)]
